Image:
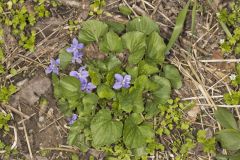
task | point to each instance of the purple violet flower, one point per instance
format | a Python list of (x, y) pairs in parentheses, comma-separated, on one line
[(75, 46), (81, 74), (53, 67), (77, 57), (72, 119), (74, 49), (122, 81), (87, 87)]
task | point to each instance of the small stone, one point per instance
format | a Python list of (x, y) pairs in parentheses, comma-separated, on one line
[(41, 119), (50, 113)]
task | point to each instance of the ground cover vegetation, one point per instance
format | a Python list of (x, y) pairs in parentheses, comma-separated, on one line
[(120, 101)]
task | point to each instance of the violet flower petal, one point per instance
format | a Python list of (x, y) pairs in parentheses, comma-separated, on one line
[(57, 62), (48, 70), (74, 74), (55, 70), (80, 46), (126, 85), (90, 87), (70, 49), (118, 77), (73, 119), (83, 83), (127, 78), (75, 42), (117, 85)]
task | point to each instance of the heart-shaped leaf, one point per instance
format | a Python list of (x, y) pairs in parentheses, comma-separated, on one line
[(137, 100), (105, 91), (65, 58), (229, 138), (69, 87), (92, 30), (143, 24), (125, 102), (136, 57), (89, 102), (76, 135), (135, 135), (105, 131), (134, 41), (115, 26), (155, 48), (172, 73), (111, 43), (147, 68), (131, 101), (225, 118), (163, 92), (70, 83), (112, 62)]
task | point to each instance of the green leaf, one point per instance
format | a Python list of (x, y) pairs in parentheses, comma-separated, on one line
[(235, 156), (136, 57), (125, 102), (64, 107), (70, 83), (110, 75), (56, 87), (137, 100), (134, 41), (115, 26), (131, 101), (69, 87), (125, 10), (92, 30), (135, 135), (225, 118), (105, 91), (94, 75), (89, 102), (178, 27), (151, 110), (229, 138), (112, 62), (111, 43), (76, 135), (162, 94), (105, 131), (65, 58), (172, 73), (142, 24), (147, 68), (155, 48), (145, 83), (132, 70)]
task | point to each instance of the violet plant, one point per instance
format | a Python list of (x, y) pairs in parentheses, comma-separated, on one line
[(114, 100)]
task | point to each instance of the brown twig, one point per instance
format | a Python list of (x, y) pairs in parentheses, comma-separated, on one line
[(27, 140), (16, 111)]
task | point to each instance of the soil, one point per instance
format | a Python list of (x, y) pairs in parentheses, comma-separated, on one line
[(46, 128)]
